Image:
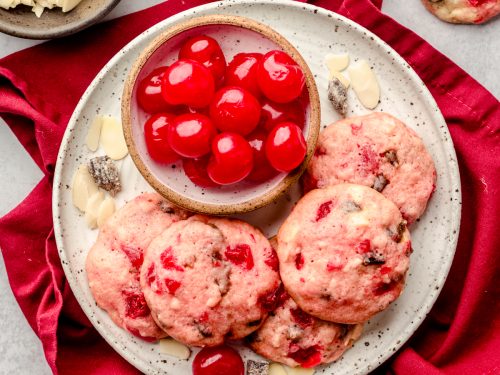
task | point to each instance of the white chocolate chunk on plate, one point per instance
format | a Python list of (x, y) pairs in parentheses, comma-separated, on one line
[(94, 133), (112, 140), (106, 209), (92, 209), (277, 369), (83, 187), (68, 5), (298, 370), (174, 348), (365, 84), (38, 10), (6, 4), (338, 62)]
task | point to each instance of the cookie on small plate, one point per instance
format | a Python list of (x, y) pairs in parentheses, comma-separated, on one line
[(204, 279), (379, 151), (114, 261), (463, 11), (344, 252), (295, 338)]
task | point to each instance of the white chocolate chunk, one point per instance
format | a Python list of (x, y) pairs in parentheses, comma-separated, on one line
[(112, 139), (38, 10), (6, 4), (276, 369), (106, 209), (338, 62), (365, 85), (174, 348), (68, 5), (94, 133), (92, 209), (342, 78), (175, 303), (298, 370), (358, 219), (83, 187)]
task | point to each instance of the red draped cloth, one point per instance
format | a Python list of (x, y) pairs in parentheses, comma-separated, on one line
[(39, 89)]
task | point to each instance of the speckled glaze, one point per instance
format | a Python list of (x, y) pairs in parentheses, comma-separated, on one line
[(315, 32), (53, 23), (235, 35)]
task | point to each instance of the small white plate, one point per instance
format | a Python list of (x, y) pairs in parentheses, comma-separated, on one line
[(315, 32)]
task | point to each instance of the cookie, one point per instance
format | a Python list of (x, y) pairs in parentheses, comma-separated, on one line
[(207, 279), (463, 11), (343, 253), (295, 338), (114, 261), (379, 151)]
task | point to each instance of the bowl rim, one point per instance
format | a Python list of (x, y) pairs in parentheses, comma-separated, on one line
[(314, 118), (59, 31)]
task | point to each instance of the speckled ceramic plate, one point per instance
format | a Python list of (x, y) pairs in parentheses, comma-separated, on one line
[(315, 32), (53, 23)]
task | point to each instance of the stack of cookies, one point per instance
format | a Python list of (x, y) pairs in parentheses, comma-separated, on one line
[(339, 258)]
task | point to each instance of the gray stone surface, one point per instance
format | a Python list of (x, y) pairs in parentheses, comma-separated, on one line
[(474, 48)]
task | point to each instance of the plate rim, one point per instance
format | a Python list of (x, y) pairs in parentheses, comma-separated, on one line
[(443, 132)]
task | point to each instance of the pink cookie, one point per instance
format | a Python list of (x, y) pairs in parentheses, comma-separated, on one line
[(379, 151), (463, 11), (114, 261), (344, 252), (295, 338), (205, 279)]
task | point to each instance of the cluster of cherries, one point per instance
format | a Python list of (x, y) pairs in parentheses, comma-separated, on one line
[(227, 122)]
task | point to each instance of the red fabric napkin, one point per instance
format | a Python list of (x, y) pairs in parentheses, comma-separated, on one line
[(39, 88)]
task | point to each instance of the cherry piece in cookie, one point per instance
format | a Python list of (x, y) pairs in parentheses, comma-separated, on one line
[(149, 95), (232, 159), (135, 304), (241, 255), (286, 147), (235, 109), (307, 357), (188, 82), (206, 51), (280, 77), (220, 360), (242, 71), (190, 135), (156, 134), (272, 114)]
